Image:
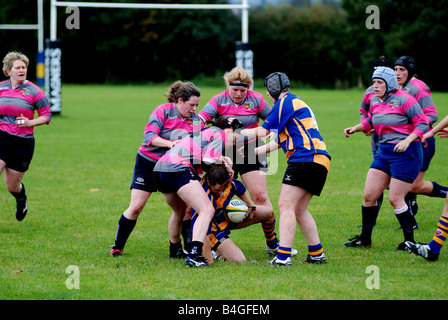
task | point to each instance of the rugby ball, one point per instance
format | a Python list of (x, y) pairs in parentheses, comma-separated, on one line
[(236, 211)]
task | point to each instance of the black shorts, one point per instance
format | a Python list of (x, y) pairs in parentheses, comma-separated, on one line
[(143, 178), (168, 182), (16, 152), (250, 161), (310, 176)]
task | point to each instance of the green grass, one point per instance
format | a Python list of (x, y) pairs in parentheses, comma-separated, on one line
[(78, 186)]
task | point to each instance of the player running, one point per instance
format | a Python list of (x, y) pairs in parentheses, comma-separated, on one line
[(405, 68), (400, 123), (19, 99)]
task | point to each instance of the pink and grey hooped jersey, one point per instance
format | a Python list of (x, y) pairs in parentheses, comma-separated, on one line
[(395, 118), (167, 123), (248, 112), (23, 100), (422, 93), (365, 103), (205, 146)]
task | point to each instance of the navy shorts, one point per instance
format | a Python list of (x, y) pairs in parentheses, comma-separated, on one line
[(143, 178), (403, 166), (310, 176), (428, 153), (168, 182), (250, 161), (15, 151)]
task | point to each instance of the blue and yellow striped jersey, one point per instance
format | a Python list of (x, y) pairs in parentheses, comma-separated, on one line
[(219, 222), (297, 130)]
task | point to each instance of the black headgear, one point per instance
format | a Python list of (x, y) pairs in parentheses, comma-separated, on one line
[(409, 63), (382, 62), (275, 83)]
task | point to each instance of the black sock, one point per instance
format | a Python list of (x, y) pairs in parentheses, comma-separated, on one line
[(369, 216), (438, 191), (379, 202), (21, 195), (125, 227), (195, 249), (406, 222), (186, 234), (175, 249)]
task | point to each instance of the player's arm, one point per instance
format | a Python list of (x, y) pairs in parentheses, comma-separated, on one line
[(267, 148), (258, 132), (352, 130), (440, 127)]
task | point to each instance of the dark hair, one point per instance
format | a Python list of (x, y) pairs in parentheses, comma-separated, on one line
[(223, 123), (182, 90), (217, 174)]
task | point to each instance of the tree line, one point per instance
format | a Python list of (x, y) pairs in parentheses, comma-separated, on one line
[(320, 44)]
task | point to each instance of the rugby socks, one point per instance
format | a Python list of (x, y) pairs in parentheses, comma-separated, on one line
[(379, 202), (369, 216), (125, 227), (21, 196), (315, 250), (438, 191), (195, 249), (270, 235), (406, 221), (283, 253), (21, 205), (176, 250), (186, 234), (440, 236)]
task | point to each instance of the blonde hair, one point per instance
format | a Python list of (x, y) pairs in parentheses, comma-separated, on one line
[(12, 56), (182, 90), (238, 74)]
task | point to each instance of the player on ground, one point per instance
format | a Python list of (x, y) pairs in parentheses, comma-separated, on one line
[(177, 176), (399, 156), (431, 250), (19, 99), (405, 68), (308, 165), (167, 124), (220, 189)]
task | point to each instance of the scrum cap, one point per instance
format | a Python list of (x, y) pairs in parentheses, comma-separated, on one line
[(275, 83), (408, 63), (387, 75)]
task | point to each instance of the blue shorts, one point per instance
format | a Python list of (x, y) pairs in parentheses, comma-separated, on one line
[(168, 182), (403, 166), (143, 178), (428, 153)]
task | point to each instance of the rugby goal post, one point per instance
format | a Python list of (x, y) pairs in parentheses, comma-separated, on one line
[(244, 55), (39, 26)]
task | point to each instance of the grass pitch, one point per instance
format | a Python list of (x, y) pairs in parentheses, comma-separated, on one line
[(78, 186)]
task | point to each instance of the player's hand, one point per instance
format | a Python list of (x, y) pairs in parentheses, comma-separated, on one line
[(349, 131), (250, 213), (443, 133), (23, 121)]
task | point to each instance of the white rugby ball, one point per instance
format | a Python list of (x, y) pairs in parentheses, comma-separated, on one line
[(236, 211)]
